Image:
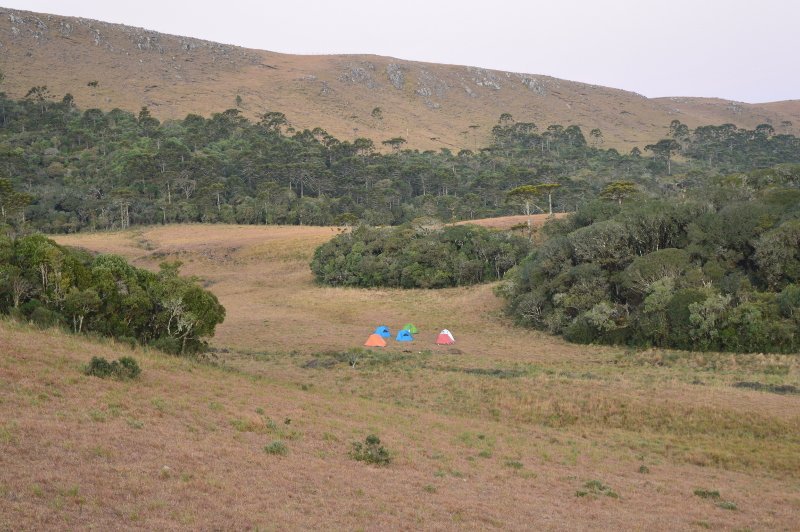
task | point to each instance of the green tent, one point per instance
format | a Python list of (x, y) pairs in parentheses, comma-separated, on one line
[(410, 328)]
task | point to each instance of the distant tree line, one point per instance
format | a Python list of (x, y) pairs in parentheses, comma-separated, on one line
[(52, 285), (719, 270), (417, 256), (90, 169)]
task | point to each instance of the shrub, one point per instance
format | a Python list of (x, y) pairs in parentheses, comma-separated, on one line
[(371, 451), (104, 295), (45, 318), (167, 344), (686, 275), (126, 368), (580, 332), (99, 367), (276, 447), (595, 487), (707, 494), (408, 256)]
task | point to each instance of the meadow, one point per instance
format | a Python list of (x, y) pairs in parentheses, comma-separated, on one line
[(509, 428)]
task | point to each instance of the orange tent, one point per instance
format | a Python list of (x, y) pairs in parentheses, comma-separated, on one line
[(375, 340)]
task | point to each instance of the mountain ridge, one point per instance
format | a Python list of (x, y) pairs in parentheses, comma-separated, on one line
[(431, 105)]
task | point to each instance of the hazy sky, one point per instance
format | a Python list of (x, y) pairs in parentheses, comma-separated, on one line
[(747, 50)]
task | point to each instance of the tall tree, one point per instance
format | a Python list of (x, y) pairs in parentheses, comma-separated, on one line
[(527, 196), (39, 94), (618, 191), (11, 201), (395, 143), (664, 149)]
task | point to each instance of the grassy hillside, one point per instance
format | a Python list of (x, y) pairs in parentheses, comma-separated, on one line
[(431, 105), (507, 430)]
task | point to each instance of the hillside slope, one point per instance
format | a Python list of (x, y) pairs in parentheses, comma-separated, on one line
[(431, 105), (513, 429)]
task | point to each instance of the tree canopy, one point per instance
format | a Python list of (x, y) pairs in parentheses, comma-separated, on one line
[(53, 285), (718, 271), (96, 170), (417, 256)]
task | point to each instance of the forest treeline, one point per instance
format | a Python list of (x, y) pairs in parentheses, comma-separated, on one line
[(417, 256), (52, 285), (690, 242), (719, 270), (96, 170)]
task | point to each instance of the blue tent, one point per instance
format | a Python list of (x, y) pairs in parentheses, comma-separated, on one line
[(383, 330), (404, 336)]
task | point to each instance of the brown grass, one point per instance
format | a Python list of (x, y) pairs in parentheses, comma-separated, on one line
[(499, 434), (508, 222)]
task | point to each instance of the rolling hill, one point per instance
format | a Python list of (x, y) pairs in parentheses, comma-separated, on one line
[(431, 105)]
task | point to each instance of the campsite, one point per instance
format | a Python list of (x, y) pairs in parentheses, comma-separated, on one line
[(503, 433), (371, 266), (406, 335)]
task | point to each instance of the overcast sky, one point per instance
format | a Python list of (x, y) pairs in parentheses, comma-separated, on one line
[(744, 50)]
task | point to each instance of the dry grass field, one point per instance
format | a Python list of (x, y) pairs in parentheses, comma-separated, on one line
[(507, 429)]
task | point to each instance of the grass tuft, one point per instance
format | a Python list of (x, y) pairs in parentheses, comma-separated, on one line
[(707, 494), (596, 488), (276, 447)]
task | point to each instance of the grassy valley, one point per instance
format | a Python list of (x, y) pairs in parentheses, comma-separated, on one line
[(297, 194), (512, 427)]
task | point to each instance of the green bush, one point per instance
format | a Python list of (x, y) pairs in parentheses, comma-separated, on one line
[(370, 451), (45, 318), (167, 344), (99, 367), (104, 295), (276, 447), (595, 488), (580, 332), (713, 273), (707, 494), (126, 368), (410, 256)]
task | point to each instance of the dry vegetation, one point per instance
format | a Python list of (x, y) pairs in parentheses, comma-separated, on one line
[(502, 432), (432, 106)]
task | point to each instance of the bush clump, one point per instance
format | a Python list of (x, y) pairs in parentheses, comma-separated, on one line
[(595, 488), (410, 256), (707, 494), (370, 451), (126, 368), (52, 285), (276, 447), (714, 273)]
